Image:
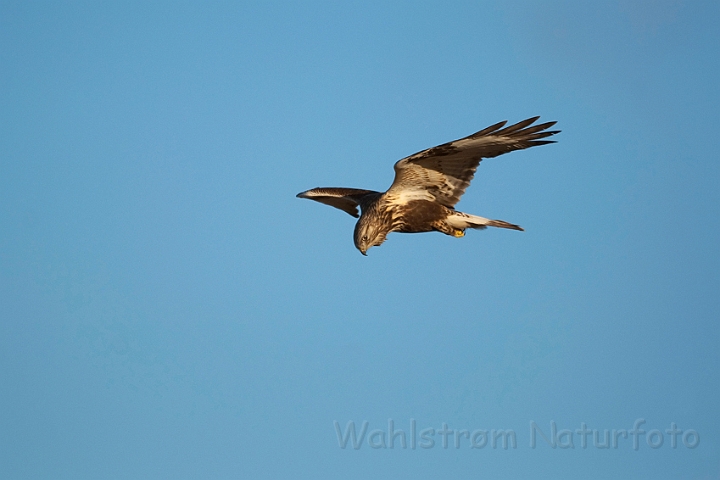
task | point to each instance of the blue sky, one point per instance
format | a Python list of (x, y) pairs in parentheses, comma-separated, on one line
[(171, 310)]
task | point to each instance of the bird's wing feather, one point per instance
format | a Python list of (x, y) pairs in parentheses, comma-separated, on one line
[(346, 199), (444, 172)]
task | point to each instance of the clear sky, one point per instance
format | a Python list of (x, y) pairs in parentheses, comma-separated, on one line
[(169, 309)]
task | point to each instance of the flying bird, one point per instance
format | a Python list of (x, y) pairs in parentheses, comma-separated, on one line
[(428, 184)]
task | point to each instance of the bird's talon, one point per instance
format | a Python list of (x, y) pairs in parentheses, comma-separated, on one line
[(459, 233)]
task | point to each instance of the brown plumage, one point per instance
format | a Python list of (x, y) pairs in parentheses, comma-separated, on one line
[(428, 184)]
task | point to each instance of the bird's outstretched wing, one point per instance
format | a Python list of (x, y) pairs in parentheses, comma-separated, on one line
[(346, 199), (443, 173)]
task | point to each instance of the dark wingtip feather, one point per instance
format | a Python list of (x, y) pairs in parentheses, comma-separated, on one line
[(538, 128), (490, 129), (521, 128), (518, 126), (304, 194)]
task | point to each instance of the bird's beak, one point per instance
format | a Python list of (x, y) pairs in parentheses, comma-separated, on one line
[(363, 252)]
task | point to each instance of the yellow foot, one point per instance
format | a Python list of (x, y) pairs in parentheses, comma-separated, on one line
[(459, 233)]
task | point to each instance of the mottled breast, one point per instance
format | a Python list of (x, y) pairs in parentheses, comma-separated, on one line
[(419, 216)]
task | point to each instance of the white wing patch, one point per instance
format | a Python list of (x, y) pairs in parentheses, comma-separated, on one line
[(409, 195)]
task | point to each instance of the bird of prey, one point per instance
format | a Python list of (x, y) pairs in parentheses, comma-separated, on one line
[(428, 184)]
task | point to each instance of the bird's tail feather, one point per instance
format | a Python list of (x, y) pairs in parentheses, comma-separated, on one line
[(502, 224), (464, 220)]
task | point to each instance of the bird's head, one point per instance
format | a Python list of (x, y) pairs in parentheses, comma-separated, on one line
[(368, 234)]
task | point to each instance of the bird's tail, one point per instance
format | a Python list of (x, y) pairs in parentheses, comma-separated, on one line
[(462, 221)]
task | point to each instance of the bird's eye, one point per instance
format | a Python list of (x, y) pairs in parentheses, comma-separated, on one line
[(364, 238)]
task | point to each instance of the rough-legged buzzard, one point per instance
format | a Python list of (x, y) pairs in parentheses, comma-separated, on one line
[(428, 184)]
